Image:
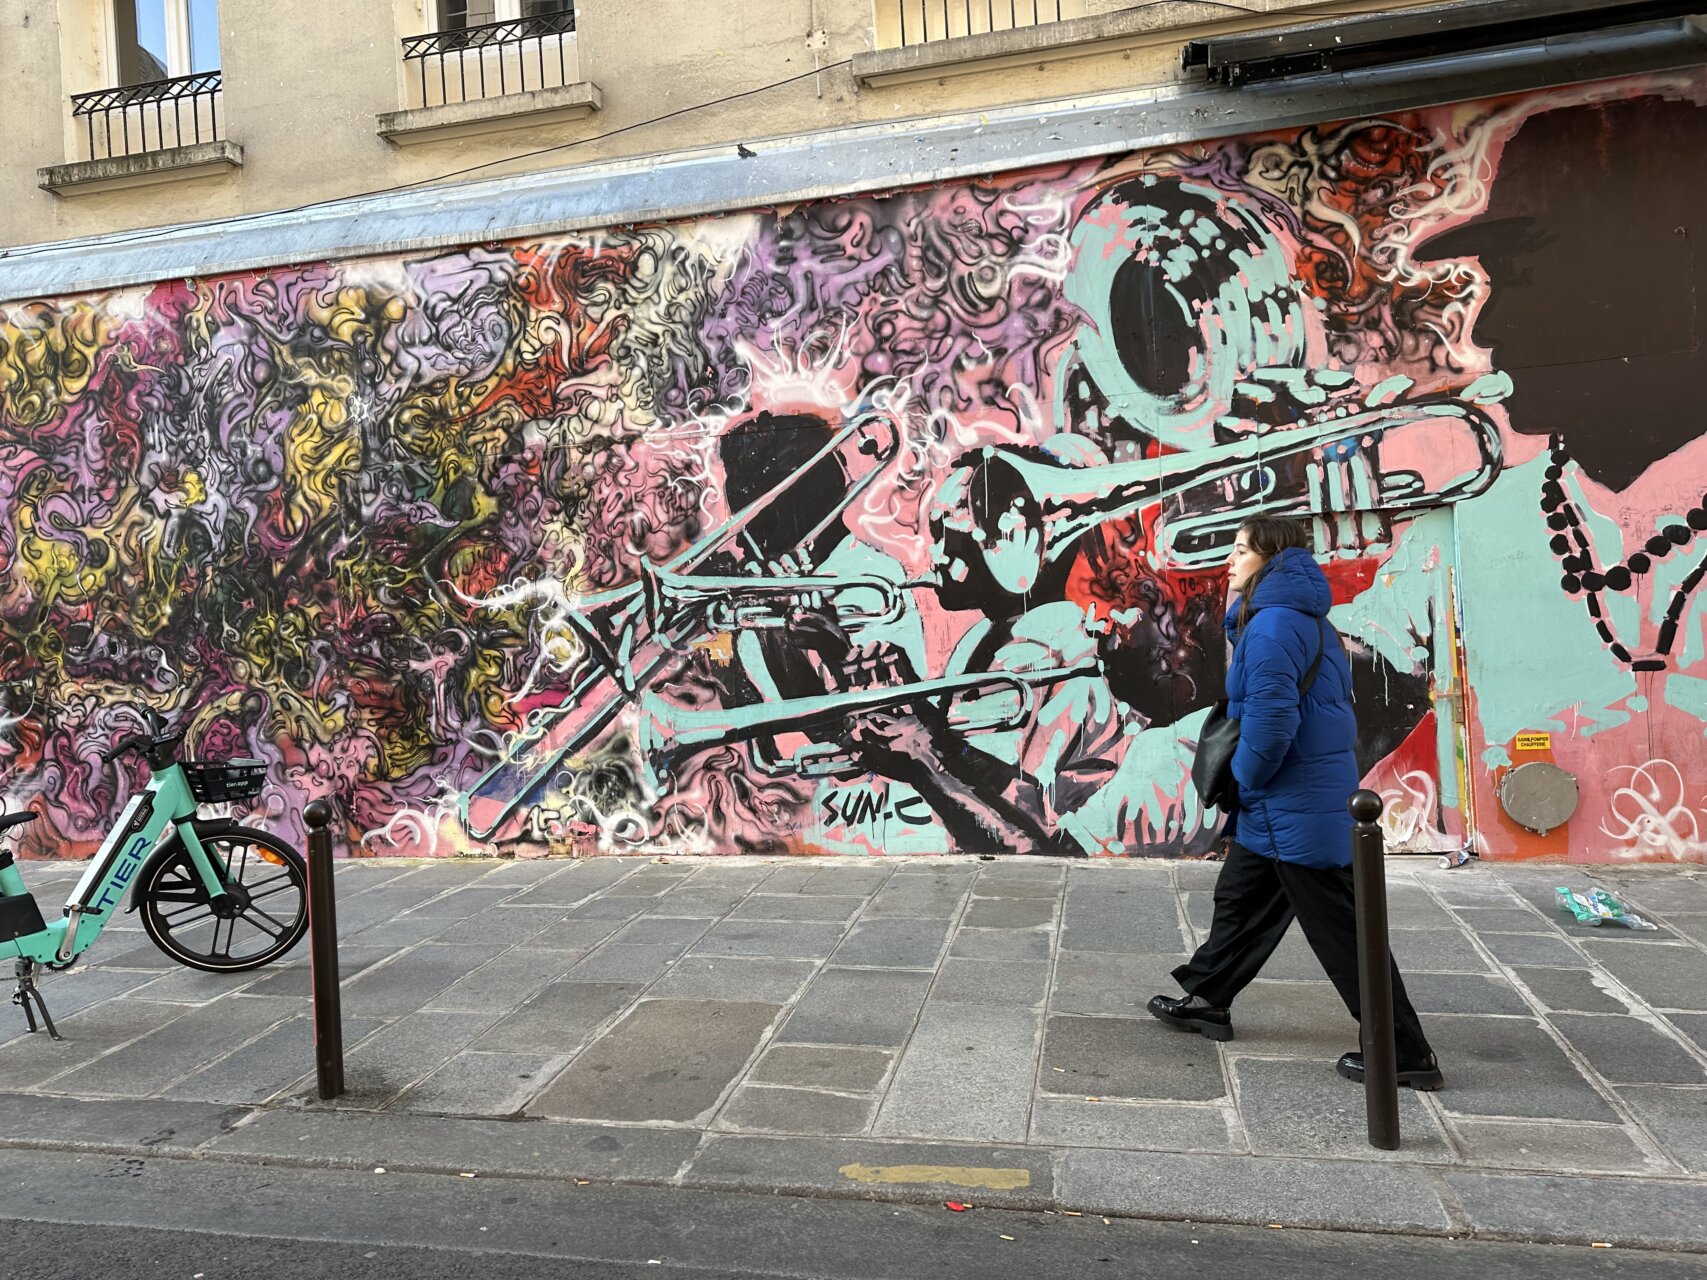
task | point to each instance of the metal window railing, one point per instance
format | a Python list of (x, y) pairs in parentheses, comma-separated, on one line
[(157, 116), (491, 60), (927, 21)]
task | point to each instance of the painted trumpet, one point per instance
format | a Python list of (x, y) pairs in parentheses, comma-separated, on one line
[(628, 651), (1027, 513), (738, 603), (668, 731)]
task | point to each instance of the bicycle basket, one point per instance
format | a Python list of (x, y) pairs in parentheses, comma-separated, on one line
[(214, 782)]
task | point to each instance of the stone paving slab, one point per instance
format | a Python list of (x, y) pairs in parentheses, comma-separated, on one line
[(515, 924), (1129, 1058), (1409, 906), (1539, 949), (894, 944), (69, 993), (1571, 990), (1580, 1148), (506, 981), (151, 1063), (762, 1108), (267, 1065), (966, 1073), (1511, 1067), (462, 903), (914, 895), (1288, 1106), (1667, 975), (669, 1060), (1436, 951), (1693, 1025), (574, 886), (1120, 1124), (480, 1084), (614, 962), (359, 1140), (405, 1051), (411, 980), (822, 1066), (796, 940), (1001, 944), (1005, 983), (1645, 1214), (857, 1006), (797, 906), (1109, 982), (764, 978), (1481, 920), (1693, 927), (1677, 1119), (559, 1017), (164, 1127), (1352, 1195), (33, 1061), (1468, 993), (1306, 1019), (1010, 913), (1626, 1050)]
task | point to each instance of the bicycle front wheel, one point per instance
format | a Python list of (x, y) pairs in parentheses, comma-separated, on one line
[(264, 914)]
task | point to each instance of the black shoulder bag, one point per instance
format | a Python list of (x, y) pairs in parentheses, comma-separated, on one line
[(1212, 766)]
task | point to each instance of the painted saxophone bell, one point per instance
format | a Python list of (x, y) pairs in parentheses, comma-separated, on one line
[(630, 633), (1027, 513), (668, 731)]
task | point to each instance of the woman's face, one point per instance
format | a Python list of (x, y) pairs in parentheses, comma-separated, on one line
[(1243, 562)]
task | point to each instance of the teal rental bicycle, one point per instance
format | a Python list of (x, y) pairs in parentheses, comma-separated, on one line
[(214, 895)]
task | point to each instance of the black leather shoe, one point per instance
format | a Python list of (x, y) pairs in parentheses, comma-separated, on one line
[(1423, 1076), (1193, 1013)]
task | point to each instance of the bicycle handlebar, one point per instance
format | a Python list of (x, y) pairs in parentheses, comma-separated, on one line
[(159, 750)]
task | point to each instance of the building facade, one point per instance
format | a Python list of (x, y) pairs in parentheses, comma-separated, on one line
[(883, 510)]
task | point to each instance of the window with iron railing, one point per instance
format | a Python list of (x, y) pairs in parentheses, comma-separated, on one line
[(913, 22), (490, 48), (163, 62), (157, 116)]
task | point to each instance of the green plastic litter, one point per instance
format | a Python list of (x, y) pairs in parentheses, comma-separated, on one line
[(1598, 907)]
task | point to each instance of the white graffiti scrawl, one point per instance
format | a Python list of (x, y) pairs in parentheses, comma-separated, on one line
[(1650, 809)]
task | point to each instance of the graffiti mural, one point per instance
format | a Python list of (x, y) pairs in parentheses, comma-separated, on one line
[(896, 524)]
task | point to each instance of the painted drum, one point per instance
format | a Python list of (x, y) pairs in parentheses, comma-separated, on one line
[(1539, 796)]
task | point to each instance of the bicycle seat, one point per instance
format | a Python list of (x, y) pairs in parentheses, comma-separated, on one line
[(10, 820)]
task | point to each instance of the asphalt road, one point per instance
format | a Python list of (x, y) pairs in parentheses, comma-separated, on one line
[(96, 1227)]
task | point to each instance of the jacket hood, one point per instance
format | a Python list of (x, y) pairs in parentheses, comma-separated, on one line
[(1292, 580)]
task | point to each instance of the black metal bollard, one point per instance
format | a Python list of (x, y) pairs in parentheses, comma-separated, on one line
[(323, 952), (1374, 973)]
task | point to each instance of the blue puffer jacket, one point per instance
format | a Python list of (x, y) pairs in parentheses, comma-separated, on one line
[(1295, 764)]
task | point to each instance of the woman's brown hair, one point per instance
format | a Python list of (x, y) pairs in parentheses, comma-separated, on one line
[(1268, 536)]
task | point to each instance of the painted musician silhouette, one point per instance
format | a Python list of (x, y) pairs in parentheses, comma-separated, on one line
[(984, 803)]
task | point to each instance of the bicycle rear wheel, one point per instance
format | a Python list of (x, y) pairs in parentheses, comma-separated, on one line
[(267, 911)]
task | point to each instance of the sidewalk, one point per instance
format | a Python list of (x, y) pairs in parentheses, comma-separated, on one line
[(916, 1029)]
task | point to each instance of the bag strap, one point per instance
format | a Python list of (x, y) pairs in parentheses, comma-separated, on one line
[(1321, 647)]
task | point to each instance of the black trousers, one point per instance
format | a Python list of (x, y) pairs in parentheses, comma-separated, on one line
[(1256, 898)]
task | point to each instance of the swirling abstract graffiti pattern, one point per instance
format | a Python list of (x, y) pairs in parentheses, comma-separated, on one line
[(888, 524)]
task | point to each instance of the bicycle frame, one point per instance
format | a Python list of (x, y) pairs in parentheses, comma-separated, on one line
[(165, 804)]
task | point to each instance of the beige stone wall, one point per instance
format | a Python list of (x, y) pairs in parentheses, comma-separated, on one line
[(305, 85)]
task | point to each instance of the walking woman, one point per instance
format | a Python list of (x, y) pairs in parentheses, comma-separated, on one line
[(1289, 686)]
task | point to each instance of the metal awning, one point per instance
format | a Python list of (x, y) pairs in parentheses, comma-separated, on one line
[(1371, 40), (869, 158)]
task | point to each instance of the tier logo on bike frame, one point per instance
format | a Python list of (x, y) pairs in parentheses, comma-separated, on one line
[(121, 854)]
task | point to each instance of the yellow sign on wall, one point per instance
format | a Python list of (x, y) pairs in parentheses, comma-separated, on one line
[(1534, 742)]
